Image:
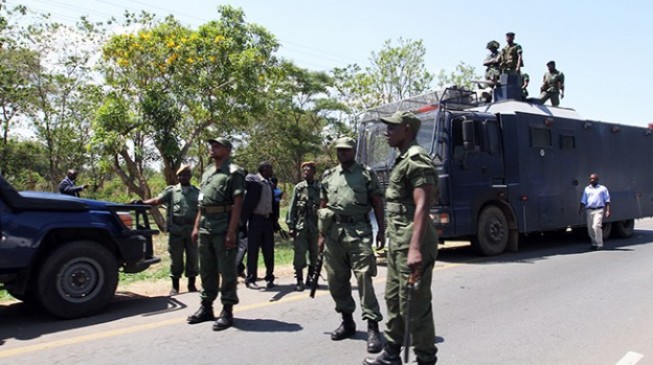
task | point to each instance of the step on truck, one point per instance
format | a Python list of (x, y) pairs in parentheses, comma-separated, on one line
[(64, 253), (510, 167)]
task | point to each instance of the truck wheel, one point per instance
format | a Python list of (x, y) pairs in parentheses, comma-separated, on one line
[(492, 232), (624, 229), (77, 279), (607, 230)]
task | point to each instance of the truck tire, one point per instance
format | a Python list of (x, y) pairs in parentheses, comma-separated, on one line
[(492, 232), (77, 279), (607, 230), (624, 229)]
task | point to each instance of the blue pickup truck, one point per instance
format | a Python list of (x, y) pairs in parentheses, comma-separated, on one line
[(64, 253)]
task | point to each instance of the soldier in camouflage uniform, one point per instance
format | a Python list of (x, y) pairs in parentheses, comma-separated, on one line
[(302, 223), (511, 56), (553, 85), (181, 203), (413, 243), (525, 80), (491, 62), (216, 228), (349, 191)]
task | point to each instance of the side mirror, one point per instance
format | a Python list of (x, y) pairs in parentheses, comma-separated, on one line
[(469, 137)]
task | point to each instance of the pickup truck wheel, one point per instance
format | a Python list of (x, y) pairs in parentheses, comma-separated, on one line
[(624, 229), (78, 279), (492, 232)]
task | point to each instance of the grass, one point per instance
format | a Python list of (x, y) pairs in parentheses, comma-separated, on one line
[(283, 256)]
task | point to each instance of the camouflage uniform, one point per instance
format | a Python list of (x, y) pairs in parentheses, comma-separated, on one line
[(349, 238), (550, 88), (492, 61), (302, 218), (509, 57), (182, 211), (217, 192), (413, 168), (525, 79)]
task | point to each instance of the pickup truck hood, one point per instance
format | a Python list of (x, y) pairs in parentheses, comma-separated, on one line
[(58, 199)]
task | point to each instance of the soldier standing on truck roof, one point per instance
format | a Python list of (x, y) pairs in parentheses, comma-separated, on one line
[(349, 191), (413, 243), (492, 61), (511, 56), (525, 80), (302, 223), (553, 85), (216, 230), (181, 203)]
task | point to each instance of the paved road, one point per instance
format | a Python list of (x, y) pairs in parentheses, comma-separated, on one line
[(553, 302)]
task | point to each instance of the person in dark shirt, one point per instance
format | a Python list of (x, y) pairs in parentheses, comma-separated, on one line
[(67, 185)]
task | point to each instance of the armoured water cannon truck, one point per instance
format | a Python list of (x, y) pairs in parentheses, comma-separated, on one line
[(511, 167)]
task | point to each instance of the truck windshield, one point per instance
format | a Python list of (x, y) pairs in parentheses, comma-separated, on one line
[(375, 152)]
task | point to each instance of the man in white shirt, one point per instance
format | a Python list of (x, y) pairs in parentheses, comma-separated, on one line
[(596, 204)]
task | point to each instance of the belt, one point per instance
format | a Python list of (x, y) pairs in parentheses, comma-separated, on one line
[(595, 208), (349, 219), (266, 216), (216, 209)]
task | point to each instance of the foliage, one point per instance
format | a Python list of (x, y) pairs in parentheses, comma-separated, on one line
[(463, 76), (395, 73)]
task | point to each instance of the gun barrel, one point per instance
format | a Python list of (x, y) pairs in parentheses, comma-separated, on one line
[(316, 274)]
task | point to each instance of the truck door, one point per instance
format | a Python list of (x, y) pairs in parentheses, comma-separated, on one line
[(475, 170)]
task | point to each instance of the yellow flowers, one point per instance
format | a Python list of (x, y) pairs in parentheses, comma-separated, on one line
[(171, 43), (122, 62), (219, 39), (171, 59)]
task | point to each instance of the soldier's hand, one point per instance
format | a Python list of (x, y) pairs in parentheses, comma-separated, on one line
[(320, 242), (414, 262), (292, 233), (195, 235), (136, 201), (380, 239), (231, 241), (562, 95)]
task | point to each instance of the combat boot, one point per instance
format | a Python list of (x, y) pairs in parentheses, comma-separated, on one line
[(175, 287), (390, 356), (374, 341), (426, 362), (346, 329), (226, 319), (300, 281), (191, 285), (205, 313)]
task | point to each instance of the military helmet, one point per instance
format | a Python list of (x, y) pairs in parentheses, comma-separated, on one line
[(492, 44)]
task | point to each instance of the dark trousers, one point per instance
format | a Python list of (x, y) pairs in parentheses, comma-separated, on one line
[(260, 234)]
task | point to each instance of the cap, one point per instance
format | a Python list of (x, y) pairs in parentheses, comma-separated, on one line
[(492, 44), (511, 34), (308, 163), (551, 63), (346, 142), (403, 117), (221, 140), (182, 168)]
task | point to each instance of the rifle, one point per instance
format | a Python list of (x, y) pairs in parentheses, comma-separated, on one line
[(412, 283), (316, 273)]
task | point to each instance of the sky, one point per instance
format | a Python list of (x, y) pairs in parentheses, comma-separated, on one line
[(604, 48)]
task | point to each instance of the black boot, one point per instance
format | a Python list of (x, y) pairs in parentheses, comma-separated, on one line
[(424, 362), (300, 280), (374, 341), (346, 329), (226, 319), (191, 285), (390, 356), (175, 287), (205, 313)]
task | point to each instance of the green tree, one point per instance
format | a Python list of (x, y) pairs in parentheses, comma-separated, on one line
[(172, 85), (394, 73), (463, 76)]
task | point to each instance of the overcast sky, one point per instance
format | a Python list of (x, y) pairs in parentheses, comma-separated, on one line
[(603, 47)]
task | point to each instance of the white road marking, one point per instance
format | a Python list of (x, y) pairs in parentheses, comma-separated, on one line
[(631, 358)]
